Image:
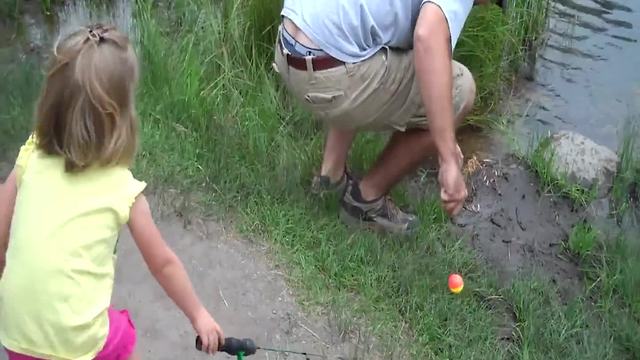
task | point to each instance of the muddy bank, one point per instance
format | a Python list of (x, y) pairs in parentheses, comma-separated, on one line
[(512, 224), (518, 228)]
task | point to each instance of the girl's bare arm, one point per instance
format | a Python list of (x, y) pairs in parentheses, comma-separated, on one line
[(171, 275)]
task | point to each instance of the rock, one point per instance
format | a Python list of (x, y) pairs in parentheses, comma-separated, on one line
[(598, 209), (583, 161)]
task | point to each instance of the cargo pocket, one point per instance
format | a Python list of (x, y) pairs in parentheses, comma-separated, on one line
[(325, 105), (324, 98)]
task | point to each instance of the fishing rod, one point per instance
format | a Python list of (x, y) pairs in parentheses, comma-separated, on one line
[(246, 347)]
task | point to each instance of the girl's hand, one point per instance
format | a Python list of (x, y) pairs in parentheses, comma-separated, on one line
[(209, 331)]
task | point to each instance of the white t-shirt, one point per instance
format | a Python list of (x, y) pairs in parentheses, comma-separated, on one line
[(353, 30)]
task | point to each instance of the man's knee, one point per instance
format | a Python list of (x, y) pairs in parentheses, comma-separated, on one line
[(471, 98), (466, 92), (469, 91)]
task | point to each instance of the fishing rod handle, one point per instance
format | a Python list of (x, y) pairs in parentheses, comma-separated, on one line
[(233, 346)]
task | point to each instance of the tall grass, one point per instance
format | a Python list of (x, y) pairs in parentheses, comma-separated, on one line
[(626, 186), (10, 9), (18, 92), (495, 45), (528, 21)]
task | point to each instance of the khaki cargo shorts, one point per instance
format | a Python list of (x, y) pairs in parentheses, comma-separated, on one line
[(378, 94)]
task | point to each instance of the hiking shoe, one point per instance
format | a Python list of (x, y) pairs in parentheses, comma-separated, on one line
[(380, 215), (321, 184)]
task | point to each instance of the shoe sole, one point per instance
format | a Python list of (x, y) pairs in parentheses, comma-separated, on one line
[(376, 227)]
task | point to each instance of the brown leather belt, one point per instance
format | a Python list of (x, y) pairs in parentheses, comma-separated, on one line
[(318, 63)]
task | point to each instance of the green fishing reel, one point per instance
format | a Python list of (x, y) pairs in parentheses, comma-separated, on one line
[(233, 346)]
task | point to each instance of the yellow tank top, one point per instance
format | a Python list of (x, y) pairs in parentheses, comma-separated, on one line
[(57, 284)]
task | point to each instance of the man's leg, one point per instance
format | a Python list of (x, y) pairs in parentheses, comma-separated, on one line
[(366, 203), (336, 150), (404, 153), (333, 177)]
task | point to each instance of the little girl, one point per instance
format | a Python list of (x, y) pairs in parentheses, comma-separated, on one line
[(63, 205)]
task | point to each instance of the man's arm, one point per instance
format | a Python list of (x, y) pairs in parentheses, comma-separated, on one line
[(8, 193), (432, 49)]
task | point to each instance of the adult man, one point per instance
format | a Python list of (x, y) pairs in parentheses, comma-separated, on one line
[(380, 65)]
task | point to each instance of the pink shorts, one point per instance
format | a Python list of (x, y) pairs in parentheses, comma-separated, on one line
[(120, 343)]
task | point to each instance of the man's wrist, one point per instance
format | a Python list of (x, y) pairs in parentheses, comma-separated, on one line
[(449, 155)]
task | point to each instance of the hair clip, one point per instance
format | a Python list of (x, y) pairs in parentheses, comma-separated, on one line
[(96, 36)]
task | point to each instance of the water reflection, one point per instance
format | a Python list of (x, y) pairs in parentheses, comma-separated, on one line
[(587, 76)]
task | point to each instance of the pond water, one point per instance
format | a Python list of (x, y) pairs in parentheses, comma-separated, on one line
[(588, 74)]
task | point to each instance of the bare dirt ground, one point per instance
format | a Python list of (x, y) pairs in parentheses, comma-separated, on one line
[(245, 293), (514, 226), (517, 228), (248, 297)]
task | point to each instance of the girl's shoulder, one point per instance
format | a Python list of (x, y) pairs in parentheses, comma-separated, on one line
[(130, 189), (24, 155), (117, 183)]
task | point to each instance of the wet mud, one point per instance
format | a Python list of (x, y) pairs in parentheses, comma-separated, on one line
[(516, 227)]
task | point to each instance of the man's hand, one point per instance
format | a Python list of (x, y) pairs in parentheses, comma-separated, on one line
[(453, 190)]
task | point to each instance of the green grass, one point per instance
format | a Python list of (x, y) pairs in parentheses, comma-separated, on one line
[(17, 100), (582, 240), (215, 115), (528, 21), (603, 323), (215, 122), (494, 46), (9, 9), (612, 274), (12, 9), (540, 158), (626, 186)]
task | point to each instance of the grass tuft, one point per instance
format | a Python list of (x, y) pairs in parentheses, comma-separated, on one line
[(626, 185), (583, 239)]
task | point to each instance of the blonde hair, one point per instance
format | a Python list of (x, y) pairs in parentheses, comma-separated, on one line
[(86, 112)]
